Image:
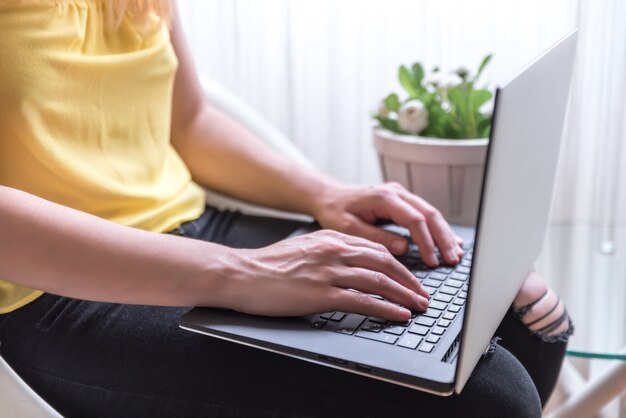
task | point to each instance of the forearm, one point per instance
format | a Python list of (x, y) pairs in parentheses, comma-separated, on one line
[(225, 157), (63, 251)]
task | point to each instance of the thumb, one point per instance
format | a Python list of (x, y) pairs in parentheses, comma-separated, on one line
[(394, 243)]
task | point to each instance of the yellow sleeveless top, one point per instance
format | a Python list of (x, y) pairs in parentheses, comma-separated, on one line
[(85, 119)]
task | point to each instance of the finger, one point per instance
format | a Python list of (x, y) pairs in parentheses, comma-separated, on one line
[(377, 283), (393, 242), (442, 233), (404, 214), (349, 301), (386, 264), (354, 240)]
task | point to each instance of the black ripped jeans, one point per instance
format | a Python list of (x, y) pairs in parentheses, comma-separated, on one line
[(91, 359)]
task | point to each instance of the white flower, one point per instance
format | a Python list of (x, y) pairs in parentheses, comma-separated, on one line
[(413, 117), (443, 82), (450, 80), (434, 79)]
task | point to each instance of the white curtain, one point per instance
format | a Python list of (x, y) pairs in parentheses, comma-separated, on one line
[(317, 69)]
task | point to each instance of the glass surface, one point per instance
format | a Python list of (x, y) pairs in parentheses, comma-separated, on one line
[(586, 265)]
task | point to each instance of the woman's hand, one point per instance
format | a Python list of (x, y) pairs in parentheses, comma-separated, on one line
[(319, 272), (354, 210)]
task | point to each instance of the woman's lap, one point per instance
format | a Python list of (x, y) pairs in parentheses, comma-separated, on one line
[(90, 358)]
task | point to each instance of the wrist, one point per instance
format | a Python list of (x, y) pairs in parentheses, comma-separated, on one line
[(210, 282), (322, 196)]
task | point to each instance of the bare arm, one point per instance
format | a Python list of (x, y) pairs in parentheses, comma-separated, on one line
[(225, 157), (63, 251)]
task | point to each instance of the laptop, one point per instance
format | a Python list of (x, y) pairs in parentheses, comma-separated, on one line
[(436, 351)]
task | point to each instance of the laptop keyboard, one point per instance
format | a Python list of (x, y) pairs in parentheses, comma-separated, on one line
[(447, 286)]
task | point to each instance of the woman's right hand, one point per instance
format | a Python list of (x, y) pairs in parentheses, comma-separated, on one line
[(319, 272)]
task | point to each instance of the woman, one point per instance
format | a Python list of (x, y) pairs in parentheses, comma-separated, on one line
[(104, 141)]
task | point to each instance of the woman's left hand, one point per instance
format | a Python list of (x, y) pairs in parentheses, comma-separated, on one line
[(355, 209)]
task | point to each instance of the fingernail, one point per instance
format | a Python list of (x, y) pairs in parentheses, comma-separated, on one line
[(405, 313), (398, 246), (423, 303), (453, 256)]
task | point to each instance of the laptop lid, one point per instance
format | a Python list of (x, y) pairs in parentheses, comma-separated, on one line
[(517, 188), (490, 294)]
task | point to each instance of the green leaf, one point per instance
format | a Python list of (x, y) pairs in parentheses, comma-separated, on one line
[(483, 127), (482, 66), (418, 74), (480, 97), (407, 82), (392, 103), (391, 125), (458, 99)]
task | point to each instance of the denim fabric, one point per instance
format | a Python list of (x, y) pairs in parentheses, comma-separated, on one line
[(92, 359)]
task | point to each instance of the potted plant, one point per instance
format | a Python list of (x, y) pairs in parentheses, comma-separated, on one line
[(434, 140)]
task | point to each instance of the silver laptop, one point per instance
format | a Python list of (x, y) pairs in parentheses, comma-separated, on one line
[(436, 351)]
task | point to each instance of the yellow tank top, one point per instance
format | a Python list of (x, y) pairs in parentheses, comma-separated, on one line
[(85, 119)]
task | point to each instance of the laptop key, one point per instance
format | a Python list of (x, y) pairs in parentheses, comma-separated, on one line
[(337, 316), (348, 325), (420, 274), (449, 316), (454, 283), (443, 323), (380, 336), (425, 321), (371, 326), (463, 295), (444, 270), (431, 290), (438, 331), (442, 297), (463, 269), (395, 330), (449, 290), (327, 315), (459, 276), (459, 302), (410, 341), (437, 276), (432, 313), (427, 347), (440, 306), (431, 283), (419, 329), (433, 339), (378, 320), (454, 308)]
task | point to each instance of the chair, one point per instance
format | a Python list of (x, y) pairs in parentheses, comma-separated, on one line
[(17, 399)]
